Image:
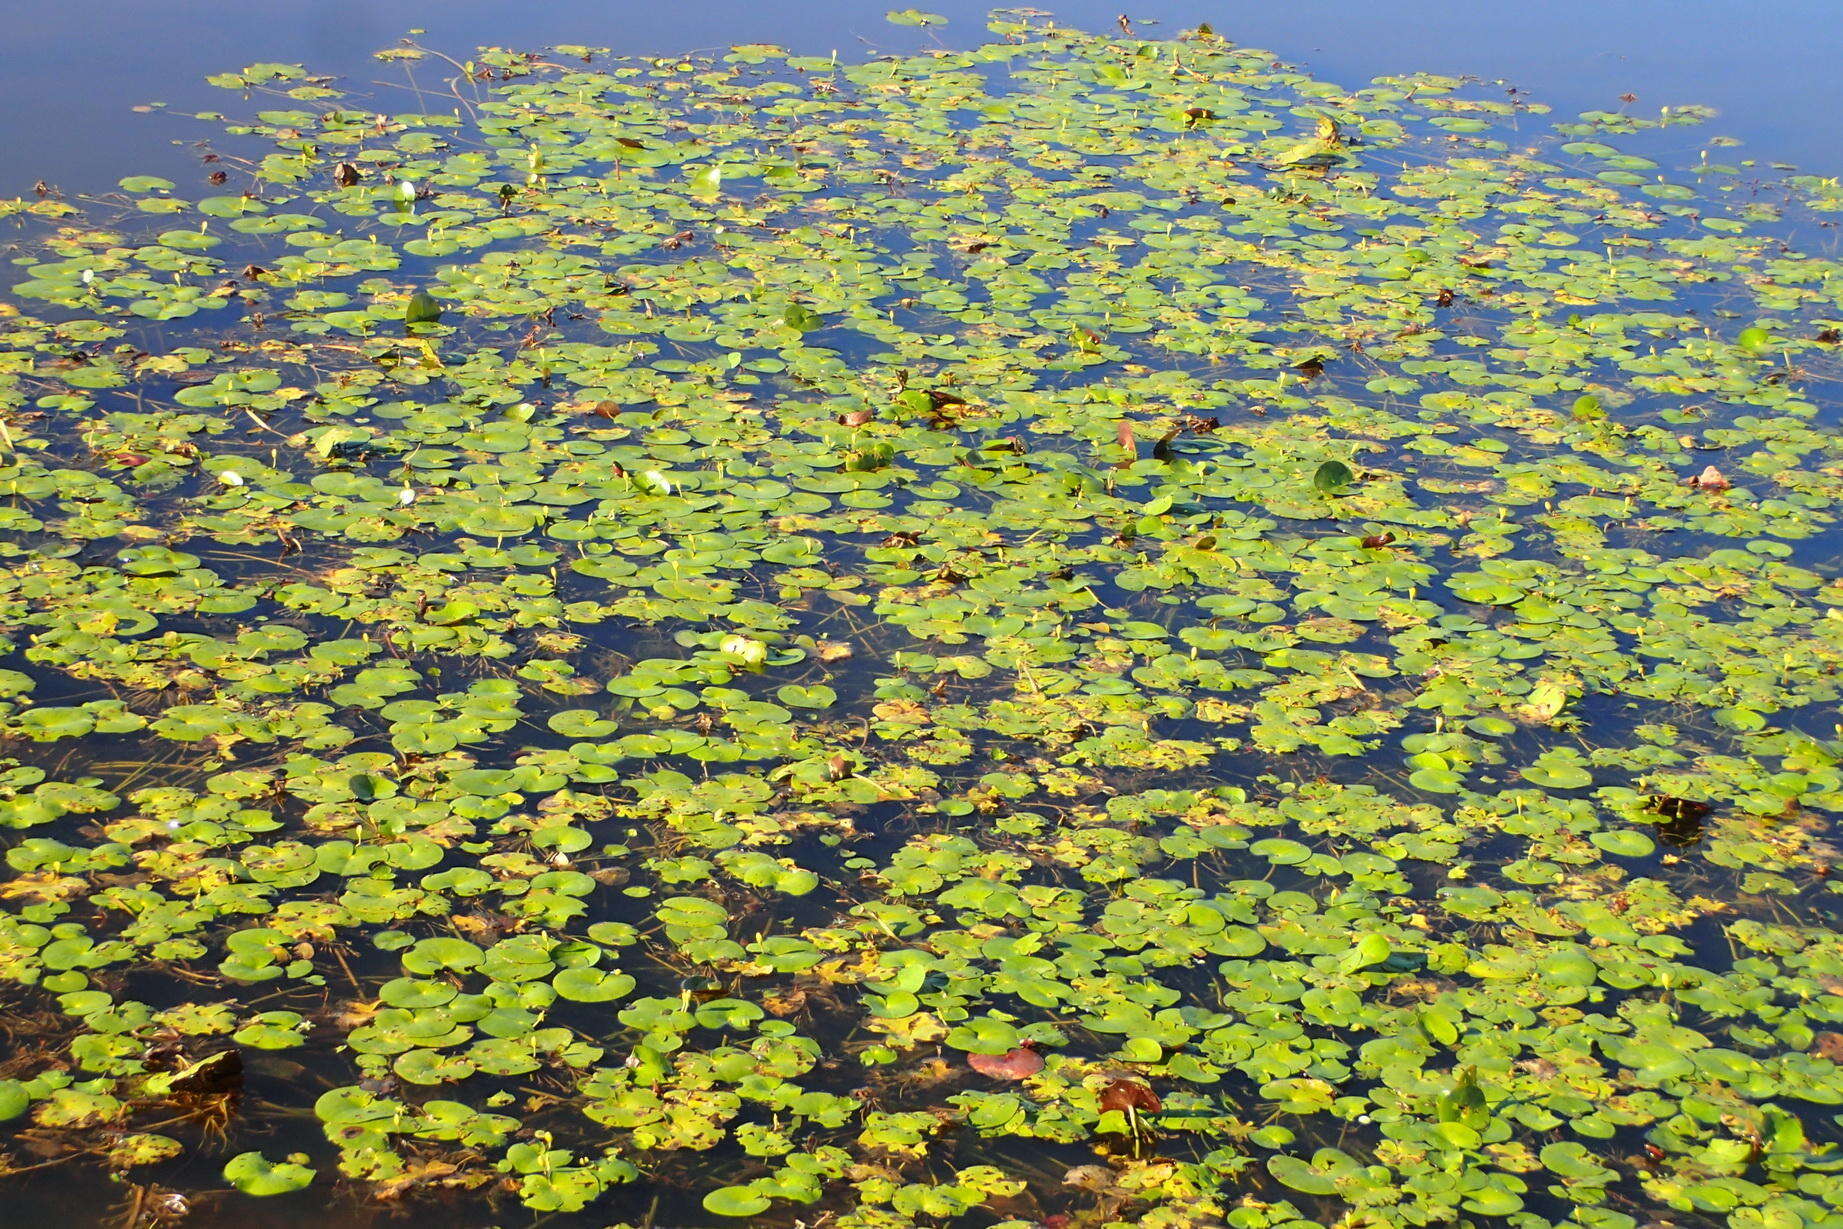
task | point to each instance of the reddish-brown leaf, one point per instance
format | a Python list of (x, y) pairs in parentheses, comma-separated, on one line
[(1018, 1064), (1126, 1095)]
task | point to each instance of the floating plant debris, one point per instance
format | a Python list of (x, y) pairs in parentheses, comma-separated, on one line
[(1018, 1064), (1083, 631)]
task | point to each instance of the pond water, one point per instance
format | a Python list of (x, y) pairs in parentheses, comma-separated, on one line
[(1045, 625), (76, 70)]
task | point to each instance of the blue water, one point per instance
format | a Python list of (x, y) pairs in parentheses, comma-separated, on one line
[(76, 69)]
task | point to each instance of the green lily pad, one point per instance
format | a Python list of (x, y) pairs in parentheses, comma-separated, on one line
[(253, 1174)]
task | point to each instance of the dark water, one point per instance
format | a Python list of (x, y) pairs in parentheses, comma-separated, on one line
[(74, 70)]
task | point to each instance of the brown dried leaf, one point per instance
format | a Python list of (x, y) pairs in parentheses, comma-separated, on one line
[(791, 1003), (901, 712)]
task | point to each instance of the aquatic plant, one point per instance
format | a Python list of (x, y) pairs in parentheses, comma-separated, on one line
[(1085, 630)]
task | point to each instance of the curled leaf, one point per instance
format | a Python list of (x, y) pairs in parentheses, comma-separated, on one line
[(1332, 477), (1124, 1095), (422, 309)]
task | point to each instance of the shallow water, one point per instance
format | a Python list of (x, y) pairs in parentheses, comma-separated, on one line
[(1244, 629)]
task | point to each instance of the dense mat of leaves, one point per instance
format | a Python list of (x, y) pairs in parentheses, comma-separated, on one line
[(1085, 631)]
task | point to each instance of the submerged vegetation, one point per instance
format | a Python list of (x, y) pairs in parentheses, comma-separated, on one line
[(1083, 631)]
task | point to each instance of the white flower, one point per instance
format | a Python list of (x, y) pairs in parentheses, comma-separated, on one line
[(231, 477), (406, 496)]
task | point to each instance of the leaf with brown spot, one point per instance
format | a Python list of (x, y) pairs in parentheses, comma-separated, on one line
[(789, 1004), (431, 1172)]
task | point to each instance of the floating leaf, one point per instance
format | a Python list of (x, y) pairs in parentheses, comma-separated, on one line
[(1331, 477), (253, 1174), (735, 1201), (1016, 1064), (1624, 843), (796, 695), (13, 1099), (1300, 1176), (799, 316)]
